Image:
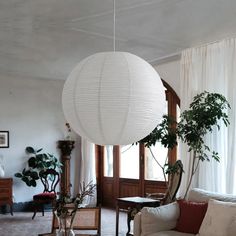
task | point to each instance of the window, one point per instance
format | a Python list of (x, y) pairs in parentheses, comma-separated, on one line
[(152, 170), (129, 162), (131, 170), (108, 161), (129, 156)]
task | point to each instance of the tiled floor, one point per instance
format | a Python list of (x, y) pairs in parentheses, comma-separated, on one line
[(21, 224)]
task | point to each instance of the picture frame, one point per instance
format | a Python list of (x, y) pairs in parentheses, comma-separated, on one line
[(4, 139)]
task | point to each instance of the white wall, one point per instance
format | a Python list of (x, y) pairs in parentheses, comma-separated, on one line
[(31, 110), (170, 72)]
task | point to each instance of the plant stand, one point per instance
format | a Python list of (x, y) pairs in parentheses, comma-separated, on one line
[(66, 147)]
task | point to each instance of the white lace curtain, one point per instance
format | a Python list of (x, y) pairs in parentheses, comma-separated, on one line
[(212, 68)]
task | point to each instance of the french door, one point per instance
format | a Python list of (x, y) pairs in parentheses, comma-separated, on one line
[(131, 170)]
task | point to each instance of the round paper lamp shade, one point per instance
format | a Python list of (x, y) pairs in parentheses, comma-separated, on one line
[(113, 98)]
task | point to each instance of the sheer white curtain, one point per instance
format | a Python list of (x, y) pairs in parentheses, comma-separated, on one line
[(212, 68), (88, 170)]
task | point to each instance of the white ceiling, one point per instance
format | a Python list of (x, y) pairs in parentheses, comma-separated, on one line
[(47, 38)]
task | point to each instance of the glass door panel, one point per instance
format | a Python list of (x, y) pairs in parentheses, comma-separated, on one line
[(158, 154), (129, 162), (152, 170), (108, 161)]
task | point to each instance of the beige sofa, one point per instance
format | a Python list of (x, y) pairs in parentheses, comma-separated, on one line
[(220, 217)]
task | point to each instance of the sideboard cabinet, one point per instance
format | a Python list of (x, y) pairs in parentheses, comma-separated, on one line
[(6, 192)]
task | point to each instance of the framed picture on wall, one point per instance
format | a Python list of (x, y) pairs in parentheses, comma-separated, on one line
[(4, 139)]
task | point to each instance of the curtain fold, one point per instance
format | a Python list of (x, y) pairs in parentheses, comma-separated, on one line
[(211, 68), (88, 169)]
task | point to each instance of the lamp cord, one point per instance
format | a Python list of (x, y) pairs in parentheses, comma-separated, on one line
[(114, 25)]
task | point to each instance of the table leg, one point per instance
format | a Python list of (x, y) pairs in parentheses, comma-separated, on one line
[(128, 220), (11, 209), (117, 220)]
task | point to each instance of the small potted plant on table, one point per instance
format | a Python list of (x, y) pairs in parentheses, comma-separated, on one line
[(65, 208)]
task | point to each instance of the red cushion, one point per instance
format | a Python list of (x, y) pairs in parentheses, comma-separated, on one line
[(191, 216), (45, 196)]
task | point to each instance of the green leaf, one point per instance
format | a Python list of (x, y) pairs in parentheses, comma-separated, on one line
[(30, 150), (39, 150), (39, 156), (41, 165), (28, 182), (165, 133), (32, 162), (18, 175), (45, 156), (33, 183), (27, 173), (48, 164), (34, 175), (25, 179)]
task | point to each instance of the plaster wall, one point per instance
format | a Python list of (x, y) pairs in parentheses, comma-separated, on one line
[(170, 72), (30, 109)]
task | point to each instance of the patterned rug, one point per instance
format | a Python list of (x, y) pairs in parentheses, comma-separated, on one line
[(21, 224)]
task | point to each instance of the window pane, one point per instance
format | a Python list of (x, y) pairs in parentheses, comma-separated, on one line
[(152, 170), (129, 162), (108, 161)]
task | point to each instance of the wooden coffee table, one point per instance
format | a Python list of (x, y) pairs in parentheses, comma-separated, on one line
[(133, 205)]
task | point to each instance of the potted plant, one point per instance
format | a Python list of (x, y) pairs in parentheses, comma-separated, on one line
[(206, 110), (65, 208), (37, 162)]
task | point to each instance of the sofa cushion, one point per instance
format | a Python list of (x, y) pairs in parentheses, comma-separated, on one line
[(171, 233), (155, 219), (200, 195), (191, 216), (220, 219)]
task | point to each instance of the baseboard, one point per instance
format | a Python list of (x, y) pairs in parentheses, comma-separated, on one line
[(22, 207)]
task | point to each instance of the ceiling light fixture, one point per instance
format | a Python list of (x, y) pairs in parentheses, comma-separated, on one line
[(113, 98)]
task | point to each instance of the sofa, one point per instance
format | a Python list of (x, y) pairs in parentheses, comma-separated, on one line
[(204, 214)]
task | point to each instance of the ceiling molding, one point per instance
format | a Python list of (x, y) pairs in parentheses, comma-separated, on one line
[(163, 60)]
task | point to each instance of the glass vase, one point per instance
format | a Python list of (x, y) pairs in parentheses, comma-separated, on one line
[(65, 226)]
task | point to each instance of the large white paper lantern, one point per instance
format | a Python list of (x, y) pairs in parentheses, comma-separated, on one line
[(113, 98)]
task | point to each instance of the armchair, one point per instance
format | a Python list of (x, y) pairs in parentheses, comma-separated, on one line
[(173, 186)]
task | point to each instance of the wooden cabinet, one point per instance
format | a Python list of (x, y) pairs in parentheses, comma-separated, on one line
[(6, 192)]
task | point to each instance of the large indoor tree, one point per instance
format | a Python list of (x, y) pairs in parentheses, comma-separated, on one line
[(204, 113)]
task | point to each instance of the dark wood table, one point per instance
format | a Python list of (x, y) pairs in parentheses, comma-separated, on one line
[(133, 205), (6, 192)]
